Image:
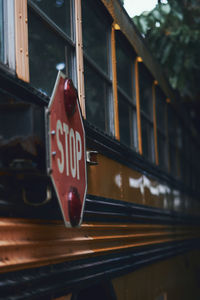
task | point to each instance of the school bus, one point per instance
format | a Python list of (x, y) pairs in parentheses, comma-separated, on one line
[(140, 234)]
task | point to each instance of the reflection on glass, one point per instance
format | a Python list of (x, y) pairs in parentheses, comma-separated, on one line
[(96, 96), (1, 32), (145, 85), (58, 11), (95, 35), (124, 121), (125, 70), (46, 52)]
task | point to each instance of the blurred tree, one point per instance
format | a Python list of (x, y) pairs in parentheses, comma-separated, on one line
[(172, 31)]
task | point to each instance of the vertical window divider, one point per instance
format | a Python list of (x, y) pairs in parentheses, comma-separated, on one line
[(21, 40), (138, 59), (114, 80), (155, 122), (79, 56)]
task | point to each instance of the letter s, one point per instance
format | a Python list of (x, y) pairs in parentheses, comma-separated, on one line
[(60, 147)]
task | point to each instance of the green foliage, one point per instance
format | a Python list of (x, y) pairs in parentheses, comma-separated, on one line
[(172, 31)]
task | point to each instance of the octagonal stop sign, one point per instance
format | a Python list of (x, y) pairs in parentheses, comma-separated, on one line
[(66, 150)]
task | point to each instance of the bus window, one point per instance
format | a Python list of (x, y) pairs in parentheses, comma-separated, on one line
[(193, 164), (182, 153), (146, 111), (172, 135), (1, 33), (179, 142), (186, 156), (161, 114), (58, 12), (97, 66), (51, 46), (126, 91)]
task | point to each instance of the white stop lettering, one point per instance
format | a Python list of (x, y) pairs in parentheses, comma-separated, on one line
[(71, 152)]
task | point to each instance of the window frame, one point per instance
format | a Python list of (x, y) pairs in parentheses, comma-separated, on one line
[(107, 78), (161, 132), (129, 100), (69, 42), (172, 142), (148, 118)]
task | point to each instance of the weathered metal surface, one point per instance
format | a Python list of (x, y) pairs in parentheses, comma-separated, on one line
[(173, 278), (110, 179), (32, 243)]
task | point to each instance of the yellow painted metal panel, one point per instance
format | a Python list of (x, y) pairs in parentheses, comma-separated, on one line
[(105, 179), (29, 243), (173, 278), (154, 193), (133, 189), (111, 179)]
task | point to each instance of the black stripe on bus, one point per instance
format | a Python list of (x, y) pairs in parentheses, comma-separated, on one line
[(99, 209)]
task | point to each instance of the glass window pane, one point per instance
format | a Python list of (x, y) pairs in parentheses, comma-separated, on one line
[(96, 98), (147, 139), (171, 126), (145, 88), (95, 35), (124, 121), (162, 151), (125, 68), (183, 169), (58, 11), (186, 144), (173, 160), (1, 32), (47, 55), (160, 109)]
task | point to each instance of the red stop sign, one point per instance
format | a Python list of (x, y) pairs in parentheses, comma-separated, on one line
[(67, 154)]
